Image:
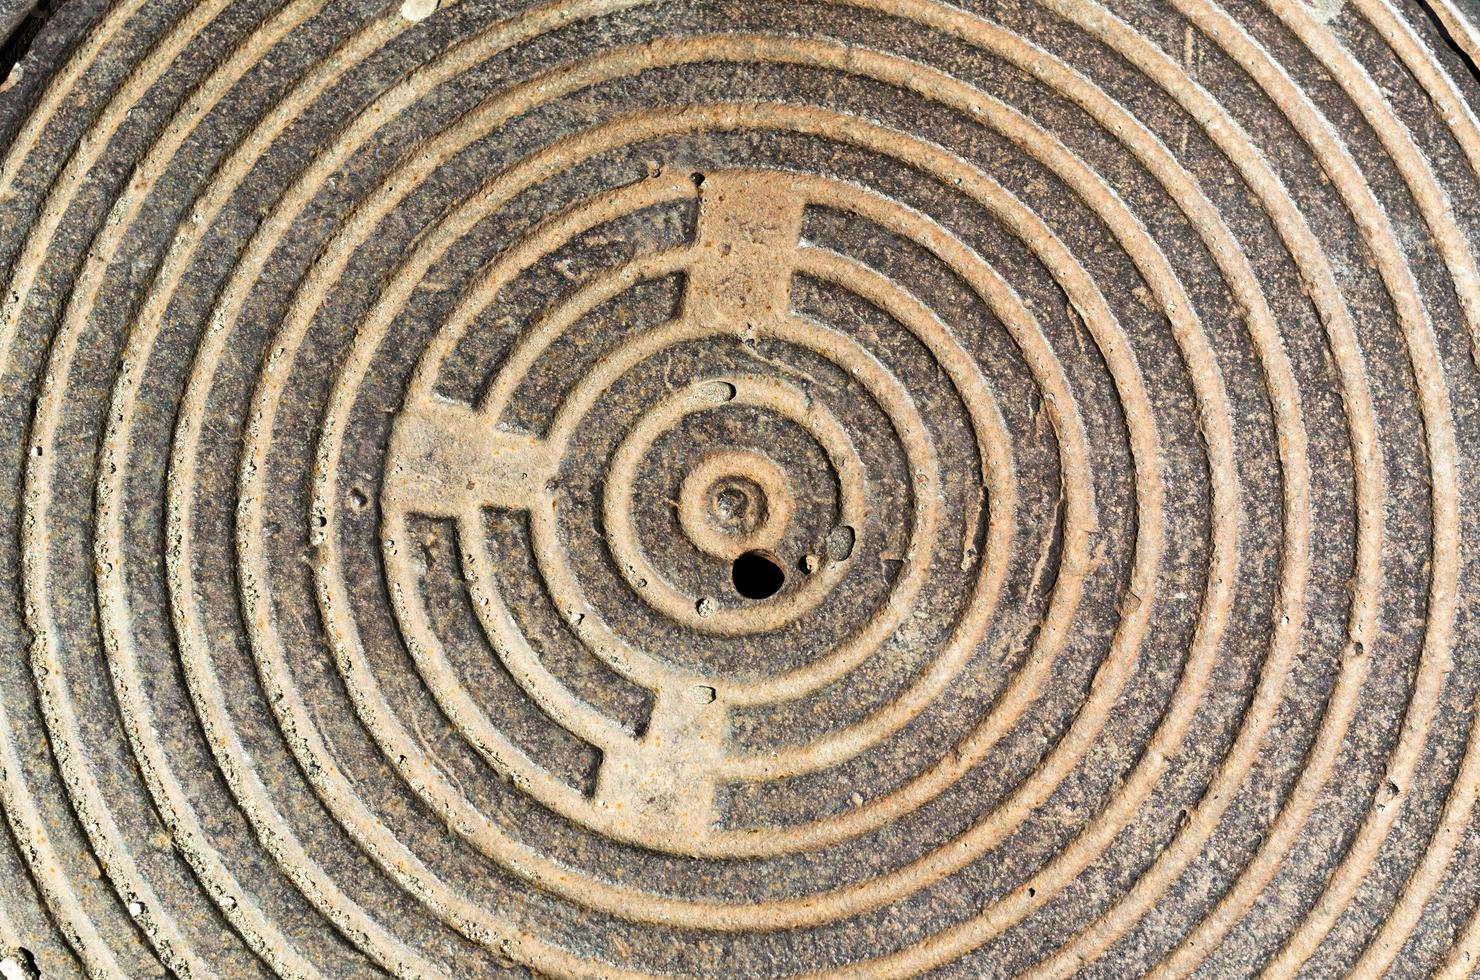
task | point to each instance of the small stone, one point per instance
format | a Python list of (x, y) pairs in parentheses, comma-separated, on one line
[(415, 10)]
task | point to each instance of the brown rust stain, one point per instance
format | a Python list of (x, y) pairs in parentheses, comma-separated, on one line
[(854, 488)]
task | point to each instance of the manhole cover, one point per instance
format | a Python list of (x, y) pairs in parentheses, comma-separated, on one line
[(867, 488)]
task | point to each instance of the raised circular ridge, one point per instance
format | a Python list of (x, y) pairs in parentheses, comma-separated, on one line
[(1120, 362)]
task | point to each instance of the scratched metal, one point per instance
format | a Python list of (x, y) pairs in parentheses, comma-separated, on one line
[(858, 488)]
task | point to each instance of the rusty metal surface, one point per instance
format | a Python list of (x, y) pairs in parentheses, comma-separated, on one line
[(615, 488)]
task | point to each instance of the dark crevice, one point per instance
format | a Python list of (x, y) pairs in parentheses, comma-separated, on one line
[(19, 25), (24, 961), (1450, 41)]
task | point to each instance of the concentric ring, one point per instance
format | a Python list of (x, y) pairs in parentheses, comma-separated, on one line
[(399, 391)]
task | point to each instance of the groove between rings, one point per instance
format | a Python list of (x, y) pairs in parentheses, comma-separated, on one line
[(176, 943), (589, 890)]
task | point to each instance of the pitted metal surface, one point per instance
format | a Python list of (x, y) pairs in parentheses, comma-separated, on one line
[(620, 489)]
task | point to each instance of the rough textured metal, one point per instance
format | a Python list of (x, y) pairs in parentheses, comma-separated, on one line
[(617, 488)]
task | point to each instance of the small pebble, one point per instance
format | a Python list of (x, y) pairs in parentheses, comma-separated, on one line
[(414, 10)]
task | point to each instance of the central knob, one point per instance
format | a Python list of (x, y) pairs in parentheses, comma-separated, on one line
[(737, 505), (734, 501)]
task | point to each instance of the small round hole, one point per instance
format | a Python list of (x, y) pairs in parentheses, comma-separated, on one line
[(757, 575)]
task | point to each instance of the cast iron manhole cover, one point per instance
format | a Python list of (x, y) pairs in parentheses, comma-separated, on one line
[(621, 489)]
